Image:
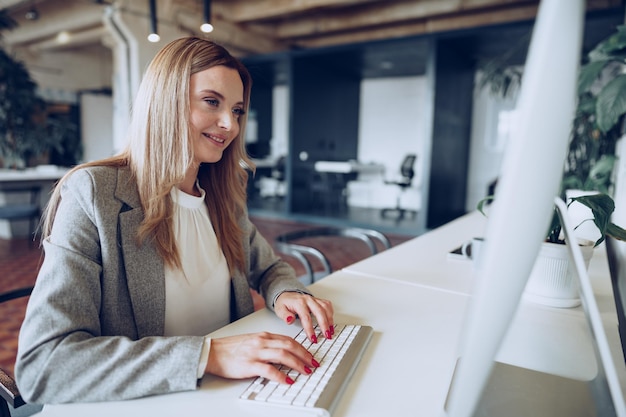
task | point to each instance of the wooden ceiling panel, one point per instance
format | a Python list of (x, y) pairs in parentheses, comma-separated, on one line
[(270, 26)]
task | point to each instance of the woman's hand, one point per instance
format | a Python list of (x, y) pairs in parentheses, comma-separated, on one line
[(251, 355), (290, 305)]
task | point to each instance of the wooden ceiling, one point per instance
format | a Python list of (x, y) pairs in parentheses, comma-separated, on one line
[(250, 27)]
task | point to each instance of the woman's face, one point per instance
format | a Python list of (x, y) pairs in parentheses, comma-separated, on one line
[(216, 102)]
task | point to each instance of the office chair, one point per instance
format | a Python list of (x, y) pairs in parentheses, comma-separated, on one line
[(407, 173), (11, 402), (23, 211), (292, 244)]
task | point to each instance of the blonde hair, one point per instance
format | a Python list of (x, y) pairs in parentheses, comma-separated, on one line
[(160, 151)]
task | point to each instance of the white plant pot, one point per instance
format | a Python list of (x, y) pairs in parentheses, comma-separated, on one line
[(552, 281)]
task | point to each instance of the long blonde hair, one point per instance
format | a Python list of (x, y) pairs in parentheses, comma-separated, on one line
[(159, 151)]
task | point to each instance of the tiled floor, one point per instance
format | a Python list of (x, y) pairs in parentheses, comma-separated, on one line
[(20, 262)]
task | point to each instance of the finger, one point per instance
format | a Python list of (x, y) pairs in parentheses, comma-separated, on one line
[(322, 311), (286, 351), (285, 314)]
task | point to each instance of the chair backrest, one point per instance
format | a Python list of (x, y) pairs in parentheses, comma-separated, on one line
[(11, 402), (616, 254), (22, 210), (290, 244), (406, 169)]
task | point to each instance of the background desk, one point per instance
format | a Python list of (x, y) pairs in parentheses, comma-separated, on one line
[(44, 176), (407, 367)]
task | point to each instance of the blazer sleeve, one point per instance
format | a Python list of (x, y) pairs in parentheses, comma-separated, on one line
[(268, 273), (67, 353)]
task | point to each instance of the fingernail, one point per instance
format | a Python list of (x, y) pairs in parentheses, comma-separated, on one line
[(314, 338), (307, 370), (290, 319), (328, 335), (289, 381), (315, 363), (332, 329)]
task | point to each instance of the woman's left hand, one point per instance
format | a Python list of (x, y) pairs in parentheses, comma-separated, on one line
[(290, 305)]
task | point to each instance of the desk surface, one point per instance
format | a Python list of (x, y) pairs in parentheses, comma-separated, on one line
[(347, 167), (41, 173), (405, 369)]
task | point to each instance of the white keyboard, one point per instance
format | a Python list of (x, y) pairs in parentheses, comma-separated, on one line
[(338, 358)]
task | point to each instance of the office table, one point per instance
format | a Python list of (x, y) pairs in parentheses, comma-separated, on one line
[(348, 167), (44, 176), (407, 367)]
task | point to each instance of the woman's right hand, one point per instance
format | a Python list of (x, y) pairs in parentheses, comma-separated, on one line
[(252, 355)]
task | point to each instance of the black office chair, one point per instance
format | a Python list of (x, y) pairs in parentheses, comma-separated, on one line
[(294, 245), (407, 173), (11, 402), (23, 211)]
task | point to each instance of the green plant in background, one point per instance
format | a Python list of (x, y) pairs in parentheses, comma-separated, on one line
[(26, 131), (598, 123), (599, 118), (17, 103)]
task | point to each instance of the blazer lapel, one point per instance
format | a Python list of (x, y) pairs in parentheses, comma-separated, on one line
[(144, 267)]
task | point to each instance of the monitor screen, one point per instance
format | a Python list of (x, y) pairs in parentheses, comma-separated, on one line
[(523, 206)]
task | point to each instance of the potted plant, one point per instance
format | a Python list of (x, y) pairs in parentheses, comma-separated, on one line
[(551, 282)]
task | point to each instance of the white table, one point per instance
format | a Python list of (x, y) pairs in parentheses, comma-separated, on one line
[(415, 299), (348, 167), (44, 176)]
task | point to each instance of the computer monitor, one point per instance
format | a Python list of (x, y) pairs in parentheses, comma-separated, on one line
[(523, 206)]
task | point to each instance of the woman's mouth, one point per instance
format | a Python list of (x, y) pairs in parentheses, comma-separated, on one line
[(214, 138)]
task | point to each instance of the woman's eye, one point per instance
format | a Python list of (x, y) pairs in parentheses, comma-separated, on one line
[(212, 102), (239, 111)]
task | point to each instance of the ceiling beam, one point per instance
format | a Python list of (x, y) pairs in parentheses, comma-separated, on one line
[(54, 20), (249, 11), (379, 15), (231, 35)]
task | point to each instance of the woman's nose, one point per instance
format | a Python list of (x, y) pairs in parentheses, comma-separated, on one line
[(226, 120)]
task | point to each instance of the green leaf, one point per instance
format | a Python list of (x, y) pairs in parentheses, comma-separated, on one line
[(616, 231), (589, 73), (481, 204), (611, 103), (614, 43)]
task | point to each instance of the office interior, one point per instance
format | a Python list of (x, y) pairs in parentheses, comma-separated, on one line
[(332, 126), (332, 121)]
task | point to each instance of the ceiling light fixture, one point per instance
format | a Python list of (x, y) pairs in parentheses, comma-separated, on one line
[(63, 37), (153, 36), (207, 27), (32, 14)]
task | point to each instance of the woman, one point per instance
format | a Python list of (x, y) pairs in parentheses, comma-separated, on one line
[(149, 251)]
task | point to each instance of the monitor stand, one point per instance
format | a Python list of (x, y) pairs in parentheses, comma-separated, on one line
[(514, 391)]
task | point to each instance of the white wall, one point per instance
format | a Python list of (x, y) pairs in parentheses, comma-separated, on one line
[(96, 126), (488, 139), (392, 124)]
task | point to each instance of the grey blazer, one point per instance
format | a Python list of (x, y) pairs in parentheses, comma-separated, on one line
[(93, 329)]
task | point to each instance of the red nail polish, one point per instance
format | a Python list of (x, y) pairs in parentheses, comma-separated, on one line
[(328, 335), (315, 363), (332, 329), (290, 319), (314, 339), (307, 370), (289, 381)]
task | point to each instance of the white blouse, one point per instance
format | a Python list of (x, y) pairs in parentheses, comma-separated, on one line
[(197, 296)]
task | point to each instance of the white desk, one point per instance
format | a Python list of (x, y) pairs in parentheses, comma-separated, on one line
[(347, 167), (405, 369), (44, 176)]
